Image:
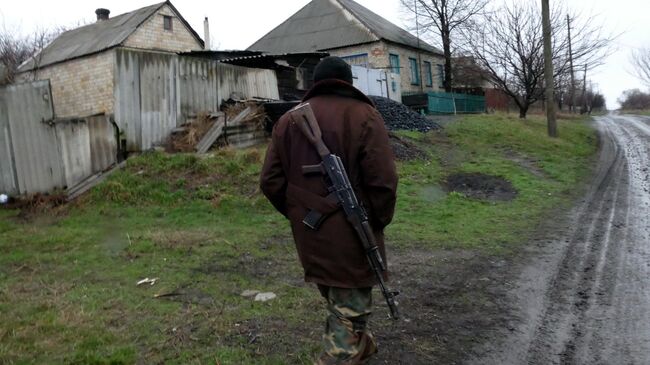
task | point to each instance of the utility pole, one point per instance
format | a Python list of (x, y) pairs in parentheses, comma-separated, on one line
[(548, 70), (584, 92), (417, 33), (573, 81)]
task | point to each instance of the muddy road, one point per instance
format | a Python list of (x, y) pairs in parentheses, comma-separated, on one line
[(584, 298)]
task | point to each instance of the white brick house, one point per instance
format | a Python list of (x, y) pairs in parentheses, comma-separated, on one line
[(346, 29), (80, 63)]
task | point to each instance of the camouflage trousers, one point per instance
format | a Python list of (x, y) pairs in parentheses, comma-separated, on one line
[(347, 340)]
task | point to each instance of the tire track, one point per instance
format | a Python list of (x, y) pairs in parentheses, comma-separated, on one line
[(585, 299)]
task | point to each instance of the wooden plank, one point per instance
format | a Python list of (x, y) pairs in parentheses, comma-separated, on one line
[(94, 180), (217, 130), (211, 136)]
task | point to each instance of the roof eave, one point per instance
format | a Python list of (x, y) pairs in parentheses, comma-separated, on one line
[(33, 67), (436, 53)]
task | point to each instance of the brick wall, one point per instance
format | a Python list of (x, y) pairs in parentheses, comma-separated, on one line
[(152, 35), (378, 57), (80, 87)]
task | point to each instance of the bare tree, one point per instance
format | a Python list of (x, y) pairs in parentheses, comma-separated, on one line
[(16, 48), (640, 60), (444, 18), (597, 102), (634, 99), (508, 43)]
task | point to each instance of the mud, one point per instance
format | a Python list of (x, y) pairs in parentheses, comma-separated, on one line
[(404, 149), (481, 186), (449, 299), (584, 295)]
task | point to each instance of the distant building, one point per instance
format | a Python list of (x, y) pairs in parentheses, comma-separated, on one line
[(346, 29), (80, 63), (469, 77)]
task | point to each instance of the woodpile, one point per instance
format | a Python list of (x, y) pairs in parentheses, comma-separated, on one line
[(239, 125)]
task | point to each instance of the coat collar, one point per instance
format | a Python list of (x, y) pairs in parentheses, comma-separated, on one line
[(336, 87)]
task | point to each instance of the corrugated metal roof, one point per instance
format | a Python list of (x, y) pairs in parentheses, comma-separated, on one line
[(276, 56), (328, 24), (97, 37)]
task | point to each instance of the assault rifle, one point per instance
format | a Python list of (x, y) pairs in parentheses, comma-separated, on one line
[(341, 190)]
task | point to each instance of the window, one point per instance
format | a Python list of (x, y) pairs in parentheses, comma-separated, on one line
[(428, 77), (415, 71), (394, 63), (357, 59), (167, 23), (441, 75)]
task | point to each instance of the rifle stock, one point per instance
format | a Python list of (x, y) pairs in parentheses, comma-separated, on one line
[(304, 117)]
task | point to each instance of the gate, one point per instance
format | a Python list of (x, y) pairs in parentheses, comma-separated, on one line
[(40, 153), (31, 161)]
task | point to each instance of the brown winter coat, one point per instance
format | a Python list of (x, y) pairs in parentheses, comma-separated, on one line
[(352, 129)]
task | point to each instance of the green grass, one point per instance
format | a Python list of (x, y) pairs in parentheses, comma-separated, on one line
[(490, 145), (636, 111), (200, 225)]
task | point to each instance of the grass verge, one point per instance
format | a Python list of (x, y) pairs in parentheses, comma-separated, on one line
[(201, 227)]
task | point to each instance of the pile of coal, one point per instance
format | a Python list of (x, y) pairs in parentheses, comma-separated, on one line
[(398, 116)]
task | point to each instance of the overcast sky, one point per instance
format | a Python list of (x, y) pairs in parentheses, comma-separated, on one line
[(236, 24)]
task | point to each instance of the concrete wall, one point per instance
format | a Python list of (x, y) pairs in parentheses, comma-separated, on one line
[(152, 35), (378, 57), (80, 87)]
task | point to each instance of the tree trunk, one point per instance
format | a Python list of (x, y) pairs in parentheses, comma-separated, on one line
[(446, 45), (523, 110)]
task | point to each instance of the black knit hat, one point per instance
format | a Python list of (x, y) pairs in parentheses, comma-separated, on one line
[(333, 68)]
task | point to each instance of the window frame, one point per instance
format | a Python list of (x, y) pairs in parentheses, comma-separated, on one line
[(395, 68), (428, 74), (168, 20), (415, 71), (441, 75)]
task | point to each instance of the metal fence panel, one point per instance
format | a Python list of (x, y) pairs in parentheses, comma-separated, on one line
[(74, 141), (103, 143), (8, 183), (156, 92), (198, 86), (127, 97), (37, 160), (250, 82), (158, 98), (449, 103), (41, 153)]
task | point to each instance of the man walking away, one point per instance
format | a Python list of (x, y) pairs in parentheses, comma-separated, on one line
[(332, 256)]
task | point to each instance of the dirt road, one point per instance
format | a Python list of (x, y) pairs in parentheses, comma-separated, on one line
[(585, 296)]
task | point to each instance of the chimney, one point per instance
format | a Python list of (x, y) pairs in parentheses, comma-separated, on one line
[(206, 33), (102, 14)]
